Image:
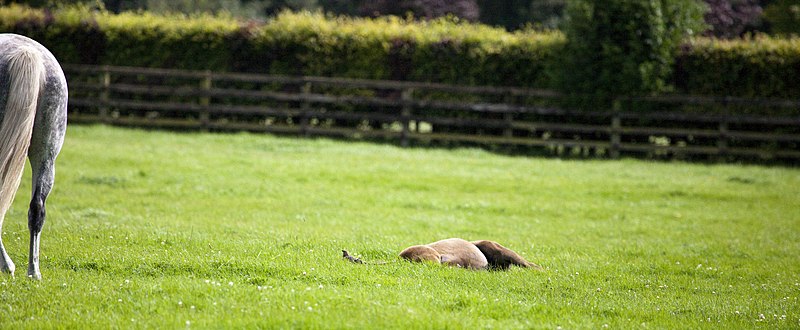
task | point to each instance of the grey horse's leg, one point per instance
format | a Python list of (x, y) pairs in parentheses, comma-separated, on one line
[(46, 141), (6, 265), (43, 183), (42, 155)]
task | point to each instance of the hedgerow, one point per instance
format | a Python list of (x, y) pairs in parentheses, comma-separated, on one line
[(753, 67), (442, 50)]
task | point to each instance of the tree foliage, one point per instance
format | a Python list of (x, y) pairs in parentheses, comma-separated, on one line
[(513, 14), (783, 16), (239, 8), (467, 9), (621, 47), (730, 18)]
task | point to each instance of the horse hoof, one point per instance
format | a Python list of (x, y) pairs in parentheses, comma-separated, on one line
[(7, 267), (34, 275)]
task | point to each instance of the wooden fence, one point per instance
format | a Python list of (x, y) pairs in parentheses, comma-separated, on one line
[(428, 113)]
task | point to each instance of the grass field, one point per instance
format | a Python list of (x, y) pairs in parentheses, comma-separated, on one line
[(166, 230)]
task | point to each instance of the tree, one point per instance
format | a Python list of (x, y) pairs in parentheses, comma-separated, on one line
[(466, 9), (239, 8), (730, 18), (624, 47), (48, 3), (275, 6), (547, 13), (510, 14), (513, 14), (193, 6), (341, 7), (783, 17), (118, 6)]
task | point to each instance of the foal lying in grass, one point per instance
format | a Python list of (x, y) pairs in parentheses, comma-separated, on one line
[(473, 255)]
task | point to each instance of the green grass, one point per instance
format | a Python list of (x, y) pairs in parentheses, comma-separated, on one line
[(161, 230)]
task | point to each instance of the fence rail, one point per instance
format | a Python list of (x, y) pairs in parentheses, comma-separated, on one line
[(412, 112)]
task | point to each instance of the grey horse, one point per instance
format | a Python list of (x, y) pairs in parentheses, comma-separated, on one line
[(33, 119)]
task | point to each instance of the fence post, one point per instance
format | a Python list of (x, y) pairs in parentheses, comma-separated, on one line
[(105, 78), (305, 110), (722, 140), (508, 118), (205, 100), (616, 125), (406, 96)]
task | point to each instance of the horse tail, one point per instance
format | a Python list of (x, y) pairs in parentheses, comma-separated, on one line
[(26, 77)]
